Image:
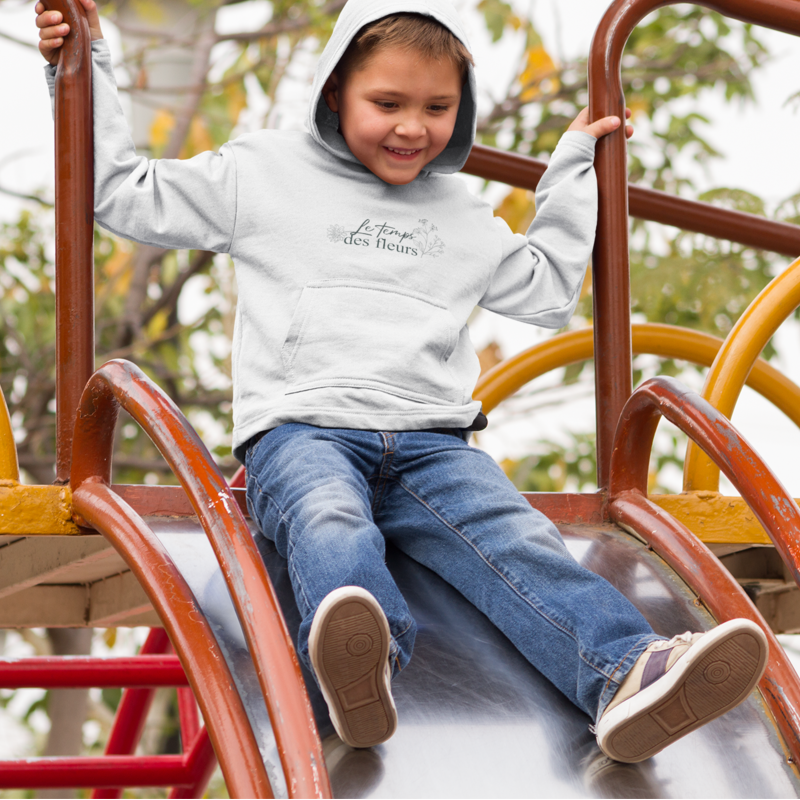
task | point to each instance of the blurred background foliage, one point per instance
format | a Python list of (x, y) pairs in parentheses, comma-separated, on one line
[(173, 312)]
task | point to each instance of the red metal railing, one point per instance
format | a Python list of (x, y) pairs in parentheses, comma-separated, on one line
[(119, 384), (750, 230), (610, 263), (74, 226), (681, 549), (188, 773)]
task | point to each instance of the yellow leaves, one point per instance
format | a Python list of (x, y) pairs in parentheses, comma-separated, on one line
[(518, 209), (586, 288), (490, 356), (539, 75), (637, 105), (199, 139), (150, 11), (160, 129), (157, 325), (236, 98)]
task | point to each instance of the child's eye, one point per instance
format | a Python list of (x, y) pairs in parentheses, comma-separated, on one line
[(438, 109), (387, 104)]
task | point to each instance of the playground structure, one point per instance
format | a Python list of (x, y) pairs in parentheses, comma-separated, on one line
[(474, 717)]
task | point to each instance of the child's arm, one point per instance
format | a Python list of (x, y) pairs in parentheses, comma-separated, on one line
[(188, 204), (540, 274)]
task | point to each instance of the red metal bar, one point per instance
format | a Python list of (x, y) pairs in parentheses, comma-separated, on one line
[(200, 763), (190, 719), (238, 479), (120, 383), (689, 215), (188, 629), (611, 288), (100, 771), (687, 555), (129, 721), (74, 221), (73, 672)]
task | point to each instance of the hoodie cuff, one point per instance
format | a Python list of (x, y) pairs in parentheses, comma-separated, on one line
[(50, 77), (577, 139)]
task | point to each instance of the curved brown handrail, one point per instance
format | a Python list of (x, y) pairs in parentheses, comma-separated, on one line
[(74, 223), (189, 631), (611, 279), (688, 556), (750, 230), (122, 384)]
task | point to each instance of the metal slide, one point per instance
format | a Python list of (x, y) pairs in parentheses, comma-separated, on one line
[(476, 720)]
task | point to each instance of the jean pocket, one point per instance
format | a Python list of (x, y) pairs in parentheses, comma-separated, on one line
[(372, 336)]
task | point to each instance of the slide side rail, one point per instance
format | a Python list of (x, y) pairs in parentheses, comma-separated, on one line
[(120, 384), (684, 552)]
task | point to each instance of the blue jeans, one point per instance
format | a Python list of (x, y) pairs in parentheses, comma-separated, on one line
[(330, 499)]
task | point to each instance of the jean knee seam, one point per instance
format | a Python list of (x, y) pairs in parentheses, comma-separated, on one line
[(504, 578)]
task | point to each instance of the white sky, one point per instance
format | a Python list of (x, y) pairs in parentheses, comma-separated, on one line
[(759, 142)]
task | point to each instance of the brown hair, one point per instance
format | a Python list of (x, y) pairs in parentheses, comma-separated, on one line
[(408, 31)]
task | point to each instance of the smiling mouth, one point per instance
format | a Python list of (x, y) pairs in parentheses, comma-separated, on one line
[(400, 152)]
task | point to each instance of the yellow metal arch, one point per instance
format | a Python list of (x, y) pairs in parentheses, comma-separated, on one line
[(736, 358), (9, 467), (667, 341), (715, 519)]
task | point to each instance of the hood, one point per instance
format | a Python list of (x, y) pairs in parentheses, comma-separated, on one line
[(324, 123)]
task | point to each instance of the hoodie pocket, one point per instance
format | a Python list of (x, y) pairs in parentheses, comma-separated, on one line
[(371, 336)]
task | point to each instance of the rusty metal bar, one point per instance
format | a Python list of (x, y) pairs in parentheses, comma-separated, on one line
[(122, 384), (750, 230), (74, 222), (611, 273), (188, 629), (688, 556)]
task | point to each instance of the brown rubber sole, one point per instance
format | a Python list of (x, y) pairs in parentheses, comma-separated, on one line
[(349, 650), (716, 679)]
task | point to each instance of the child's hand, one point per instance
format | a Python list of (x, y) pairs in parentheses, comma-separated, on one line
[(52, 31), (602, 126)]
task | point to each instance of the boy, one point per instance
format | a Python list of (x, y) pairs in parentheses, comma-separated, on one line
[(359, 259)]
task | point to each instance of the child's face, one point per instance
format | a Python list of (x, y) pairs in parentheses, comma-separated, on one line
[(398, 112)]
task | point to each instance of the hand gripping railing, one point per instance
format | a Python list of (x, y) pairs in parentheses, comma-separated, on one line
[(611, 280), (74, 223), (121, 384), (732, 366), (687, 555)]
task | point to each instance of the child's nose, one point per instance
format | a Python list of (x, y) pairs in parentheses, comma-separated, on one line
[(411, 126)]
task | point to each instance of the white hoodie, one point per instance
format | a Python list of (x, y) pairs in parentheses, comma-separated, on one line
[(354, 294)]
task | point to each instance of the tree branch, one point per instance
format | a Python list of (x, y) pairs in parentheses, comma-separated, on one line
[(282, 26), (20, 42), (169, 299)]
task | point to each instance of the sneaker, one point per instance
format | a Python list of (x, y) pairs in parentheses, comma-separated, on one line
[(349, 650), (676, 686)]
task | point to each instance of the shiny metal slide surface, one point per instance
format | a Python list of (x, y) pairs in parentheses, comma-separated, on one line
[(476, 720)]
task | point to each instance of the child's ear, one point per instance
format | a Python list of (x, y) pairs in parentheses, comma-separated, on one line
[(330, 91)]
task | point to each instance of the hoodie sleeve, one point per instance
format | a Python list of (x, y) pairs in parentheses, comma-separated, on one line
[(172, 203), (540, 275)]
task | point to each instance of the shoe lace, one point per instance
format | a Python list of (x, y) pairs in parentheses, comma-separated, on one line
[(683, 638)]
